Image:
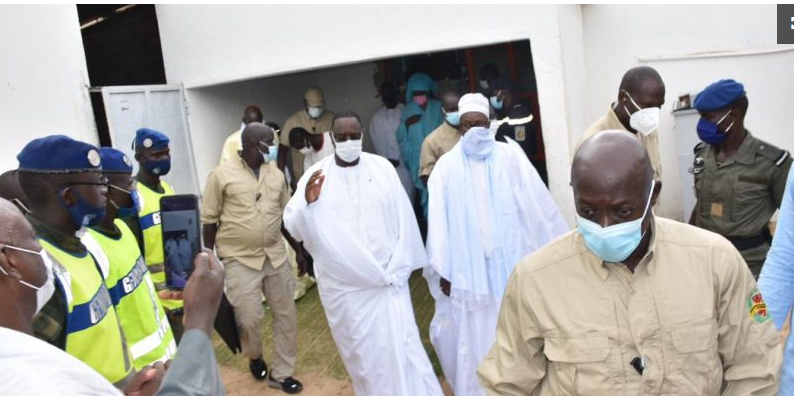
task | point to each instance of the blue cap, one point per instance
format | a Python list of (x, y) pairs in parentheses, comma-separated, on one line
[(114, 161), (719, 95), (150, 139), (59, 154)]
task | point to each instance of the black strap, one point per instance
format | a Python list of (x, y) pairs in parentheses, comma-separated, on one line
[(744, 243)]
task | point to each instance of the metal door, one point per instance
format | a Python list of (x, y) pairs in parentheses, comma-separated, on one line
[(159, 107)]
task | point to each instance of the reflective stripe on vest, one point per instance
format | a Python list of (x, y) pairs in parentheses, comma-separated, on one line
[(149, 221), (131, 290), (94, 334)]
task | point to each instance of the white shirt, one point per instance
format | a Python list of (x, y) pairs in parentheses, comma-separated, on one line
[(383, 130), (326, 149), (29, 366)]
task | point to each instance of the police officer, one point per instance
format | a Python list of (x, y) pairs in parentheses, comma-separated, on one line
[(515, 121), (132, 291), (62, 179), (739, 179), (154, 157)]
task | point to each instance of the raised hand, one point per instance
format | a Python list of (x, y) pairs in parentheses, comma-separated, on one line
[(314, 186)]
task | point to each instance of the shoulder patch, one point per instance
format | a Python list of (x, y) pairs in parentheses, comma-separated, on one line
[(698, 147), (773, 153), (756, 306)]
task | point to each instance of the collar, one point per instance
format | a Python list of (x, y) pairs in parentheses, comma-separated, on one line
[(244, 165), (613, 122), (746, 152), (66, 241)]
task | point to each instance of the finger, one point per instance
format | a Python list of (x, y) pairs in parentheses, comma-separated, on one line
[(168, 364), (201, 263), (169, 295)]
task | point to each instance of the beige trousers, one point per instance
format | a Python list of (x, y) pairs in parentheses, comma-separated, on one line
[(245, 286)]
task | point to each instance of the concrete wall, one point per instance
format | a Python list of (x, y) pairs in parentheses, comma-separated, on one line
[(248, 42), (44, 82), (677, 41)]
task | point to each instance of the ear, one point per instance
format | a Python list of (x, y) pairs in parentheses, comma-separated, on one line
[(67, 194), (9, 265), (657, 189), (138, 156), (623, 96)]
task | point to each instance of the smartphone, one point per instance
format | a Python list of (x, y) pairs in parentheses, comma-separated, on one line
[(179, 216)]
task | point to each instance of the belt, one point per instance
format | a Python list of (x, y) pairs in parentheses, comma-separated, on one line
[(744, 243)]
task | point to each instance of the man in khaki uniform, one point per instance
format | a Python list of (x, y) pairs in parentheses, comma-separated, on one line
[(315, 119), (630, 303), (739, 179), (640, 98), (233, 144), (443, 138), (241, 212)]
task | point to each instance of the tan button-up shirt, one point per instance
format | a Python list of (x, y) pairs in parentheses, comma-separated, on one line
[(610, 121), (301, 119), (572, 324), (436, 144), (248, 212)]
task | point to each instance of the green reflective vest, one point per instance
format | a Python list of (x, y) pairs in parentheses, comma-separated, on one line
[(149, 220), (133, 294), (93, 332)]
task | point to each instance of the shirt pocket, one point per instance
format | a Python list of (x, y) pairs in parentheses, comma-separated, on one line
[(696, 360), (578, 363), (749, 192)]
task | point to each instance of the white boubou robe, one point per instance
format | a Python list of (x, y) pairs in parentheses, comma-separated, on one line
[(365, 243), (484, 216)]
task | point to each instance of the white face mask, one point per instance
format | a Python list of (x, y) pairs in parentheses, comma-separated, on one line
[(306, 150), (315, 112), (349, 150), (45, 291), (644, 120)]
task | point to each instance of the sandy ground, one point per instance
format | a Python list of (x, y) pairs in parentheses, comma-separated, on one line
[(240, 383)]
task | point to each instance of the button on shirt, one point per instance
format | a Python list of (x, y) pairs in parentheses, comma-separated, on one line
[(248, 212), (572, 324)]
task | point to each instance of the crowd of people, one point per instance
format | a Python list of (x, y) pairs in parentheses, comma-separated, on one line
[(627, 302)]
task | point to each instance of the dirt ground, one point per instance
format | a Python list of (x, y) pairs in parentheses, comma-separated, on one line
[(239, 383)]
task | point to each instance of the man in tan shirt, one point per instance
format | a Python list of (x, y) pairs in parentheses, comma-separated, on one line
[(640, 98), (314, 118), (629, 303), (443, 138), (233, 144), (241, 212)]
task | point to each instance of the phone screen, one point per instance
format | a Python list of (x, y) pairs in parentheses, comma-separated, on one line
[(181, 237)]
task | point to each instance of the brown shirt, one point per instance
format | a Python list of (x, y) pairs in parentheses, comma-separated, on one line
[(572, 324), (436, 144), (610, 121), (301, 119), (248, 212)]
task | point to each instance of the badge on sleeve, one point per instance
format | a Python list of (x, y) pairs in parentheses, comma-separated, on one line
[(757, 307), (521, 133)]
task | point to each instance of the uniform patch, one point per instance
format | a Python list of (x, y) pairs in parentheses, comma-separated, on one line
[(716, 209), (756, 306), (521, 133)]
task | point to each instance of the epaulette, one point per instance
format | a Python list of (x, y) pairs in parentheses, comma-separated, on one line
[(773, 153)]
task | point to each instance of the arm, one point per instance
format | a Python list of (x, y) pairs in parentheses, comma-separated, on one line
[(516, 364), (209, 231), (211, 204), (748, 344), (777, 275), (779, 177), (693, 216), (194, 371)]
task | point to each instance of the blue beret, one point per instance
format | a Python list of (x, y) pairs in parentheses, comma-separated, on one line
[(59, 154), (150, 139), (718, 95), (114, 161)]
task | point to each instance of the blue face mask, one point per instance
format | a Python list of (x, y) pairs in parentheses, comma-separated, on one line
[(83, 214), (615, 243), (453, 118), (126, 211), (159, 168), (496, 103), (709, 132), (271, 155)]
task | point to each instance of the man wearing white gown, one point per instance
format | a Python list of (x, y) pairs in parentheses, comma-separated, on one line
[(351, 214), (488, 209)]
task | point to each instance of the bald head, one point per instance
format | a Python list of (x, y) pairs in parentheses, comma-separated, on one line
[(449, 101), (254, 133), (638, 78), (252, 114), (13, 225)]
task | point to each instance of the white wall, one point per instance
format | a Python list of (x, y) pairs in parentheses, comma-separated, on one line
[(43, 90), (664, 37), (209, 45)]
